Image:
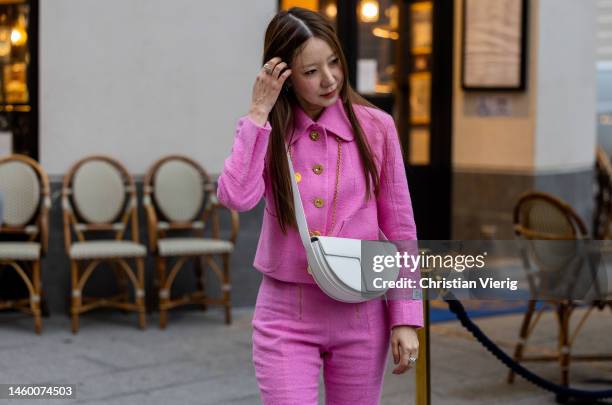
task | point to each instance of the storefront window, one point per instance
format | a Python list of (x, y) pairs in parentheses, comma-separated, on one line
[(420, 82), (18, 77), (14, 56), (328, 8)]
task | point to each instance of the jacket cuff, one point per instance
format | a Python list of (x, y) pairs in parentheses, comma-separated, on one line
[(246, 120), (248, 152), (251, 139), (405, 312)]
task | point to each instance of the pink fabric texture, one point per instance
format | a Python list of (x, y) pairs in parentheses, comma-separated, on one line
[(244, 181), (297, 329)]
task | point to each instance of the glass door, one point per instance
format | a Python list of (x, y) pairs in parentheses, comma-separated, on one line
[(18, 77), (377, 38), (328, 8)]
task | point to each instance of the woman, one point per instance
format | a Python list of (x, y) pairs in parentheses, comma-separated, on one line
[(352, 182)]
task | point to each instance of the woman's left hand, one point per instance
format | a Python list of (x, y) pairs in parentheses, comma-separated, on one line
[(404, 345)]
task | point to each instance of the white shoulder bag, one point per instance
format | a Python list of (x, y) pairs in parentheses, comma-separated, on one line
[(335, 263)]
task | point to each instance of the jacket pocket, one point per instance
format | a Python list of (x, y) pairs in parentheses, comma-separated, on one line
[(271, 247), (361, 225)]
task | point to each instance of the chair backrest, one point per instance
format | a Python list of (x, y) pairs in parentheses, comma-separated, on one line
[(602, 217), (552, 233), (24, 185), (540, 215), (178, 188), (99, 194)]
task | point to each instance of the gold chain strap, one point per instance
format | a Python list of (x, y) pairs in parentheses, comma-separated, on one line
[(335, 201)]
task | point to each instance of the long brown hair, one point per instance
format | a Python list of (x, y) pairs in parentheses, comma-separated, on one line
[(285, 37)]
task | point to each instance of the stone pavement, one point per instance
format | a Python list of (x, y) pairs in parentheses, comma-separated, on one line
[(199, 360)]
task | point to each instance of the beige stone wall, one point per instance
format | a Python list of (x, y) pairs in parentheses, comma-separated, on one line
[(552, 124)]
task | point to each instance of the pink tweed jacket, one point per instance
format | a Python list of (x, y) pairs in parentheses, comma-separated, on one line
[(314, 145)]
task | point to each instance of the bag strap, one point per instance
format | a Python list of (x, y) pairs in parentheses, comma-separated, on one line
[(300, 216)]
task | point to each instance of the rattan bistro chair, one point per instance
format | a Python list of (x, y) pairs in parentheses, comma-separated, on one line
[(25, 189), (99, 198), (554, 266), (179, 198)]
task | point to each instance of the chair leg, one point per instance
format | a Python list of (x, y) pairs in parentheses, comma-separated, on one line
[(226, 288), (140, 294), (520, 346), (163, 293), (563, 313), (35, 300), (122, 283), (200, 277), (75, 305)]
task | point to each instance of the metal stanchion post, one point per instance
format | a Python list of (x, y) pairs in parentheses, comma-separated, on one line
[(422, 376)]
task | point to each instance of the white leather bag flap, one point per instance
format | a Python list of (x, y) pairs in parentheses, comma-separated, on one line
[(340, 246)]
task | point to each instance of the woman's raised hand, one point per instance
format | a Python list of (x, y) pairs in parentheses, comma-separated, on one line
[(266, 89)]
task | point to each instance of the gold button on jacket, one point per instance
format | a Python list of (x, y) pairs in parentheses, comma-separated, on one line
[(318, 202), (314, 135), (317, 169)]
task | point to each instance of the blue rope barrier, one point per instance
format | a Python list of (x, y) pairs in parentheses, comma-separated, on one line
[(563, 392)]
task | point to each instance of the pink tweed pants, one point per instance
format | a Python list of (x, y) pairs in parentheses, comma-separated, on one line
[(298, 330)]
